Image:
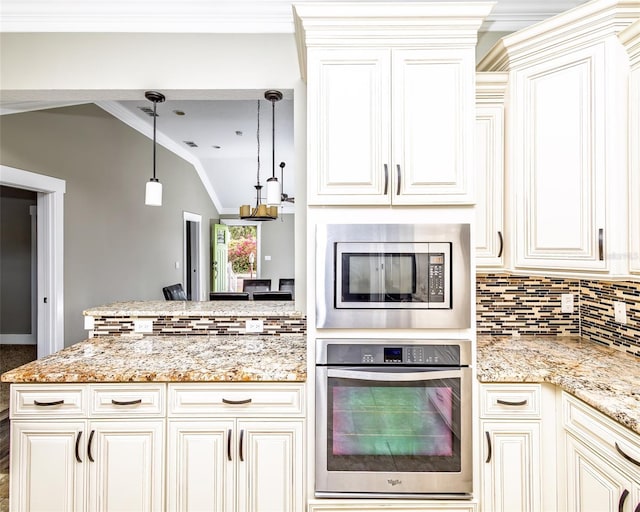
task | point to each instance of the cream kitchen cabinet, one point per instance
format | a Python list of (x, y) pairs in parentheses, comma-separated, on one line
[(566, 140), (518, 458), (67, 456), (631, 40), (490, 185), (390, 106), (601, 461), (235, 447)]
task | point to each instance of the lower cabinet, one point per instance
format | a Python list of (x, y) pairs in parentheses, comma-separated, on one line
[(235, 464), (601, 461), (235, 448), (518, 456), (74, 465)]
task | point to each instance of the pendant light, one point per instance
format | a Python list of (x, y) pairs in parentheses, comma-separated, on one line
[(261, 211), (153, 191), (274, 190)]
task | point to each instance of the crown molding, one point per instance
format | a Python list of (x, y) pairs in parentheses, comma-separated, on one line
[(214, 16), (595, 20)]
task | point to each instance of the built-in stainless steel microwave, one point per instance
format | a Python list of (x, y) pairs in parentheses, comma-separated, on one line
[(393, 275)]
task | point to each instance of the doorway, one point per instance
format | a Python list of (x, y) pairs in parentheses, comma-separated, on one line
[(192, 257)]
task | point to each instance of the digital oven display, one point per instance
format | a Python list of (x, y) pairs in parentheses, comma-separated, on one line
[(392, 354)]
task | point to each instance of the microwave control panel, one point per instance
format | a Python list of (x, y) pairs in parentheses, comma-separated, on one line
[(436, 277)]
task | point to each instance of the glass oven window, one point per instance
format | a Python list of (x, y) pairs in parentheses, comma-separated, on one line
[(393, 426), (378, 277)]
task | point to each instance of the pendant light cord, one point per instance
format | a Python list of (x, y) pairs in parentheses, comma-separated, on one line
[(258, 139), (273, 138), (155, 103)]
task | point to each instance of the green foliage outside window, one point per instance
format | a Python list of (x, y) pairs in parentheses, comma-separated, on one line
[(241, 245)]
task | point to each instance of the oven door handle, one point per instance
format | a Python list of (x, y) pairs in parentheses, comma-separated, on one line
[(404, 376)]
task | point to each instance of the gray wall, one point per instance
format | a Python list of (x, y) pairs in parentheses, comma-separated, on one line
[(277, 240), (15, 260), (115, 247)]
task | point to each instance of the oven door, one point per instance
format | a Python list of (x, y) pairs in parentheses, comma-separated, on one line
[(393, 431)]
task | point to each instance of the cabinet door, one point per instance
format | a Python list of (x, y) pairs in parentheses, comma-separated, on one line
[(634, 168), (348, 137), (511, 468), (433, 106), (127, 471), (45, 473), (200, 461), (489, 186), (270, 470), (593, 485), (558, 162)]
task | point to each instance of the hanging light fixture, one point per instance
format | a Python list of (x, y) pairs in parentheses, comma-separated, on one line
[(274, 190), (261, 211), (153, 191)]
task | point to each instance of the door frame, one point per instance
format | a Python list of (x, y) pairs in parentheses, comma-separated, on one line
[(196, 295), (50, 253)]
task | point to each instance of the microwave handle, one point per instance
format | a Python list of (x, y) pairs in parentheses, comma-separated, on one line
[(396, 377)]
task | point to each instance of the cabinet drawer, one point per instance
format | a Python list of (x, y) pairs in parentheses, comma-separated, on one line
[(127, 399), (259, 399), (48, 400), (510, 401), (602, 434)]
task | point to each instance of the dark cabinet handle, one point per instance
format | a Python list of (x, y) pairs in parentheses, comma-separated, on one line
[(78, 446), (48, 404), (501, 244), (240, 445), (512, 404), (236, 402), (628, 457), (637, 509), (488, 436), (89, 446), (399, 172), (601, 244), (229, 444), (386, 179), (127, 402), (623, 498)]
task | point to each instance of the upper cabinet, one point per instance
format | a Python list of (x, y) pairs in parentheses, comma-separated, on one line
[(489, 162), (390, 101), (631, 40), (566, 141)]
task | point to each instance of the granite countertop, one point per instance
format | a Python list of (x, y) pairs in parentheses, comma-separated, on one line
[(189, 308), (605, 378), (171, 359)]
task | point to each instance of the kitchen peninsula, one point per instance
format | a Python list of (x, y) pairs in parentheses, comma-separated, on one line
[(192, 411)]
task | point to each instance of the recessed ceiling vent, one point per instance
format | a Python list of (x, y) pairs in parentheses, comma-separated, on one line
[(148, 111), (190, 143)]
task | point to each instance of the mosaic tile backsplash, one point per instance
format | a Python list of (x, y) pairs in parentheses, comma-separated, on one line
[(193, 325), (509, 304)]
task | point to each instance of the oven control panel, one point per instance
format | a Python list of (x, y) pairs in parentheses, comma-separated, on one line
[(394, 354)]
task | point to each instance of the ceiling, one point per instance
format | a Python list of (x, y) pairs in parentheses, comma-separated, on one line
[(224, 131)]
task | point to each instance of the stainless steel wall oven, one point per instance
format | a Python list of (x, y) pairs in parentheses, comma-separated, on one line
[(393, 275), (393, 418)]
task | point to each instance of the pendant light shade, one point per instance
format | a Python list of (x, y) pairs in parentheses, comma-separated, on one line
[(153, 190), (153, 193), (274, 190)]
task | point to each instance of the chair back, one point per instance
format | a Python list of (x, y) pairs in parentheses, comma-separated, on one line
[(228, 296), (174, 292), (256, 285), (272, 295), (287, 285)]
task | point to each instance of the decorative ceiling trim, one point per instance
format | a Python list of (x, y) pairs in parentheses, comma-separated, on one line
[(214, 16)]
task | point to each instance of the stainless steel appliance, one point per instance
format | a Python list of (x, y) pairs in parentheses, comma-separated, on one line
[(393, 418), (393, 275)]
